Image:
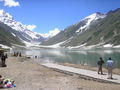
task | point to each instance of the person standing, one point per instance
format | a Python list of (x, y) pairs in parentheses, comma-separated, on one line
[(3, 59), (100, 63), (110, 65)]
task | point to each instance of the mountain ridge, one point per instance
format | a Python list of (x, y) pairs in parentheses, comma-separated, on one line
[(97, 29), (99, 32), (21, 29), (72, 30)]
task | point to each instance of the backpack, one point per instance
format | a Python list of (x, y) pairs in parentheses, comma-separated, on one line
[(110, 64), (99, 62)]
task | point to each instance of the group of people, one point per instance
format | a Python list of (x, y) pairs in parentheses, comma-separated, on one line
[(3, 58), (109, 66), (17, 54), (6, 83)]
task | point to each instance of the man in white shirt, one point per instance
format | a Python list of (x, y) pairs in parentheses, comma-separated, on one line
[(110, 65)]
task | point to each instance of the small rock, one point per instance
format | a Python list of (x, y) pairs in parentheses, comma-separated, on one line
[(79, 88)]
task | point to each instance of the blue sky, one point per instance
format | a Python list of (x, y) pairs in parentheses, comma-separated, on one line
[(50, 14)]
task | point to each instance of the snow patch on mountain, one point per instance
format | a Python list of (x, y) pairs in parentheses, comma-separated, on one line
[(89, 19), (31, 34), (31, 44), (4, 46), (53, 46), (107, 45), (13, 34)]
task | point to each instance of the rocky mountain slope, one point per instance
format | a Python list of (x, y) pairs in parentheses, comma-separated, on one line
[(7, 37), (97, 29), (18, 29)]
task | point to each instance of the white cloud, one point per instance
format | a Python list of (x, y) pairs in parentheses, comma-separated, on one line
[(51, 33), (54, 32), (10, 3), (31, 27)]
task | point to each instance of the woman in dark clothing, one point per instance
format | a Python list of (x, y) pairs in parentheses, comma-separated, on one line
[(3, 59), (100, 63)]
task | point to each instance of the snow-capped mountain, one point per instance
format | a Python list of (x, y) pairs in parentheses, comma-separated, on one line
[(6, 18), (75, 29), (19, 29), (95, 31), (89, 19)]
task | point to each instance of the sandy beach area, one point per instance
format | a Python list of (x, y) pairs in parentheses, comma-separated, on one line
[(30, 75)]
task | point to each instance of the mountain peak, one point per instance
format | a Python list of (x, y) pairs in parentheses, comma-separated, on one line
[(3, 15), (100, 13), (96, 16), (1, 12), (22, 29), (87, 20), (113, 11), (7, 19)]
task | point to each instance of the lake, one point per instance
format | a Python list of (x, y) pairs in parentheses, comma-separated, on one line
[(84, 57)]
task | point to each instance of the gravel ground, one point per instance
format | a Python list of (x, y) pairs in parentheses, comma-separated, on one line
[(29, 75)]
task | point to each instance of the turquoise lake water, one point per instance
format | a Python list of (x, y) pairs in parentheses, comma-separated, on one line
[(87, 57)]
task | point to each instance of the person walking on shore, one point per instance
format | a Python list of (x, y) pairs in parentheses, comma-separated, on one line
[(100, 63), (110, 65)]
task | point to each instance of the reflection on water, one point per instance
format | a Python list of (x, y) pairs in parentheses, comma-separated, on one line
[(74, 56)]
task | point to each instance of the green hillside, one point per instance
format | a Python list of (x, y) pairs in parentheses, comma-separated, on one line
[(6, 37)]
